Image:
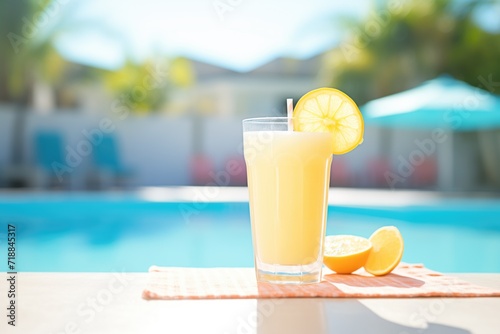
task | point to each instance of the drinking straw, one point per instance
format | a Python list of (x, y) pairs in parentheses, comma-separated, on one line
[(289, 113)]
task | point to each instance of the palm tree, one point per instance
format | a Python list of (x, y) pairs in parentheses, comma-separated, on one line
[(16, 84), (394, 50), (28, 58)]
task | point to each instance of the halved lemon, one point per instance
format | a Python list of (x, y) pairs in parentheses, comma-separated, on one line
[(387, 251), (330, 110), (346, 253)]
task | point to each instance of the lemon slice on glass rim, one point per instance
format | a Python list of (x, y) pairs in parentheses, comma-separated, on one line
[(330, 110)]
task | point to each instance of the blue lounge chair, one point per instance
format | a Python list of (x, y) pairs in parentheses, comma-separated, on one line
[(48, 159), (108, 166)]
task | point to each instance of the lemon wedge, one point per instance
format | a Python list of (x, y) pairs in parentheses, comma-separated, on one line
[(387, 251), (346, 253)]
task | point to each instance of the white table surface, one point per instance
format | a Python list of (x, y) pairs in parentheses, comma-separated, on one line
[(111, 303)]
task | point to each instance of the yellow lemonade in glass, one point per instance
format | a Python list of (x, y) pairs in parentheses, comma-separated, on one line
[(288, 179)]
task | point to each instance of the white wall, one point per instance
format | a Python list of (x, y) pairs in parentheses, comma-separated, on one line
[(159, 148), (156, 148), (222, 139), (357, 160)]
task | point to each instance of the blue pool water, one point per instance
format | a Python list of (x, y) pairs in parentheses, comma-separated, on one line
[(97, 232)]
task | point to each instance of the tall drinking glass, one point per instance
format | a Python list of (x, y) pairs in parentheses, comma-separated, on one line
[(288, 180)]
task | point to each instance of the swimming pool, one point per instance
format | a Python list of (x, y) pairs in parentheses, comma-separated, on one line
[(64, 232)]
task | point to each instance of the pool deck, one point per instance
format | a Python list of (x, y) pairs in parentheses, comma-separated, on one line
[(336, 196), (111, 303)]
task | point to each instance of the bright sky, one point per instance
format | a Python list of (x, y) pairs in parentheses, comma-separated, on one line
[(236, 34)]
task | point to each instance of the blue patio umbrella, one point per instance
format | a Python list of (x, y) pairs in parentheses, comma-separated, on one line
[(446, 104), (443, 102)]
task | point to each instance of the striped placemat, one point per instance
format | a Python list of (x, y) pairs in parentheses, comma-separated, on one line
[(407, 280)]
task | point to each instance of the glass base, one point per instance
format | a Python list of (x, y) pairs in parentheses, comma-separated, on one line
[(280, 274)]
